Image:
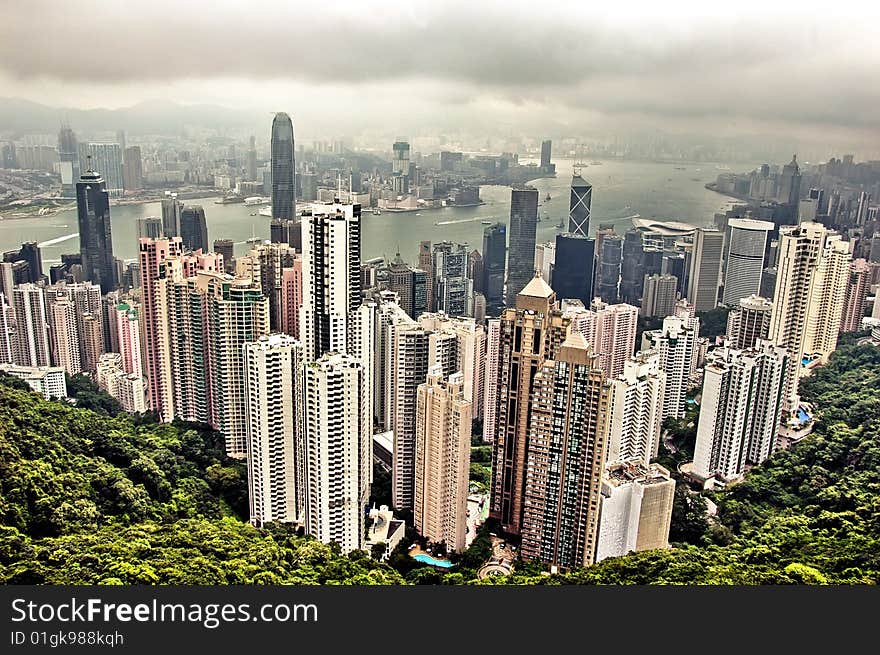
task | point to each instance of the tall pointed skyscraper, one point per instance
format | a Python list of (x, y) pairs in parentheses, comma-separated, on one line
[(283, 165), (579, 205), (95, 241)]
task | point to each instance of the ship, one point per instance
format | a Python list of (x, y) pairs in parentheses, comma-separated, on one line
[(256, 200), (266, 211), (486, 222), (547, 198)]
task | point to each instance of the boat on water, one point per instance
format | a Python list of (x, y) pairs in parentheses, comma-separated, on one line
[(486, 222), (229, 199), (266, 211), (547, 198), (256, 200), (560, 225), (377, 211), (596, 163)]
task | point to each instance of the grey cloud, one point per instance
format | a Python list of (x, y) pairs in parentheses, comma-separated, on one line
[(794, 68)]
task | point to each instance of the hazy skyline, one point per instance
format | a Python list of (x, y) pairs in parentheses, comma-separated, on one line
[(756, 68)]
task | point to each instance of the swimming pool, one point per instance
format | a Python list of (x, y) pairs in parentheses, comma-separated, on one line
[(802, 415), (427, 559)]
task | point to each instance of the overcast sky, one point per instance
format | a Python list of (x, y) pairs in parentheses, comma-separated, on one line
[(735, 67)]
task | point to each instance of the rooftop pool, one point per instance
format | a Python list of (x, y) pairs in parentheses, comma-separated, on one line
[(427, 559)]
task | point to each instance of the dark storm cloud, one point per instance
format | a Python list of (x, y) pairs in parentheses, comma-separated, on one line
[(781, 67)]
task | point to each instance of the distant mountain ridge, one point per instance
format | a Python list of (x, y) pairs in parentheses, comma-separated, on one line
[(19, 117)]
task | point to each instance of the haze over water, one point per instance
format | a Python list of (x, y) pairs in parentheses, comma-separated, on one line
[(621, 189)]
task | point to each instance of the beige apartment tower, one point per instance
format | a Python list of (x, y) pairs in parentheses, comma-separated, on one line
[(443, 436)]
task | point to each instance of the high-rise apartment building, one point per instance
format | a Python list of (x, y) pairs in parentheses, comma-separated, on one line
[(31, 337), (106, 160), (153, 253), (132, 169), (68, 161), (675, 344), (749, 321), (529, 334), (426, 263), (291, 297), (149, 227), (490, 379), (637, 503), (813, 273), (610, 331), (705, 269), (273, 365), (442, 467), (566, 455), (521, 251), (745, 258), (331, 278), (334, 446), (226, 247), (414, 349), (125, 318), (740, 409), (856, 296), (64, 336), (659, 295), (95, 239), (636, 409)]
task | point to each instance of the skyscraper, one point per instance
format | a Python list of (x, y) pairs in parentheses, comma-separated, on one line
[(490, 379), (494, 256), (226, 247), (127, 330), (675, 343), (705, 269), (95, 240), (632, 270), (414, 350), (68, 161), (856, 296), (331, 278), (31, 339), (443, 438), (580, 205), (291, 297), (333, 446), (453, 289), (149, 227), (194, 229), (566, 455), (813, 273), (610, 331), (790, 184), (252, 159), (272, 367), (530, 333), (409, 285), (132, 169), (573, 267), (64, 336), (748, 322), (426, 263), (637, 501), (609, 258), (171, 211), (521, 253), (153, 253), (283, 167), (106, 159), (636, 409), (400, 167), (745, 258), (659, 295), (740, 409), (546, 147)]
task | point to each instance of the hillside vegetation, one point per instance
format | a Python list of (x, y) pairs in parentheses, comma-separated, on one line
[(87, 497)]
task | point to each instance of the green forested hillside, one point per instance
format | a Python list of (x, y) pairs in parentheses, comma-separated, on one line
[(90, 498)]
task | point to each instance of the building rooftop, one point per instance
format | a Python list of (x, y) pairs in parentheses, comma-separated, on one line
[(537, 288), (620, 473)]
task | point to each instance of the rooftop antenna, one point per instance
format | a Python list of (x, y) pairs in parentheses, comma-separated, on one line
[(89, 164)]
